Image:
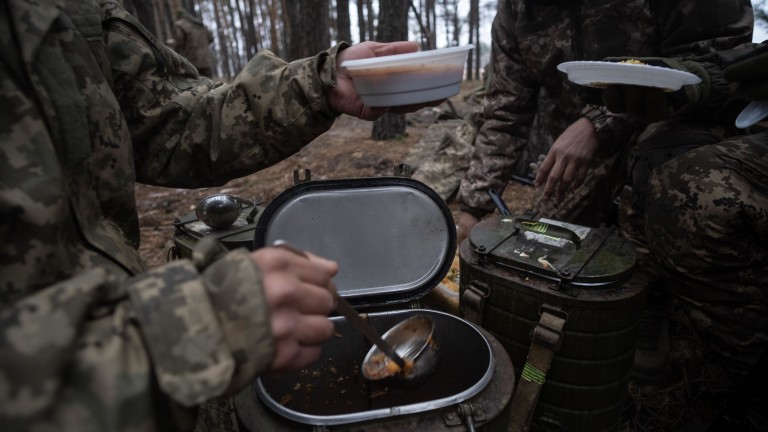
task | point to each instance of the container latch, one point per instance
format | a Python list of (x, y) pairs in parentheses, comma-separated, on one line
[(472, 300), (466, 414), (298, 180), (403, 170)]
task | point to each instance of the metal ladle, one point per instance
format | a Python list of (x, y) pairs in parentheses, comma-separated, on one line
[(410, 338)]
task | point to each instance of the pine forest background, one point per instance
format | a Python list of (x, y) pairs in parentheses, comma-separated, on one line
[(295, 29)]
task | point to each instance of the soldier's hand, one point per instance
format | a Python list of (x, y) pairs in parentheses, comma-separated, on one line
[(344, 97), (569, 159), (652, 104), (300, 295), (750, 74), (466, 222), (534, 166)]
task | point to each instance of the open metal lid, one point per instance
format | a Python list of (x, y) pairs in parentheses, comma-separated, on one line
[(394, 238)]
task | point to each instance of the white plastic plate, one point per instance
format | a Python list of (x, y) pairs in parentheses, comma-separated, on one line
[(412, 78), (752, 113), (602, 74)]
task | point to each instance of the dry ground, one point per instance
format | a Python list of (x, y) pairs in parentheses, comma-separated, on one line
[(347, 151)]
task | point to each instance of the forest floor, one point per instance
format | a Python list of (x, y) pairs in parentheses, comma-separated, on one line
[(684, 393)]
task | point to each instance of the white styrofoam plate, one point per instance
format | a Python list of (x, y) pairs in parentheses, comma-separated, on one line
[(752, 113), (602, 74), (408, 79)]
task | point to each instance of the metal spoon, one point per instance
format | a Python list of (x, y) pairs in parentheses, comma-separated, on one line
[(344, 308), (414, 340)]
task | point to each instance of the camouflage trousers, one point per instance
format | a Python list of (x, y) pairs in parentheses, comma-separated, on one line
[(705, 217)]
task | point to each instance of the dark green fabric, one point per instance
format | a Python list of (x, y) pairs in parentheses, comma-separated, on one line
[(749, 73), (654, 104)]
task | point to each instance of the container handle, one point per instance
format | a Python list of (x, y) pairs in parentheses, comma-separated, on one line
[(548, 230), (547, 337)]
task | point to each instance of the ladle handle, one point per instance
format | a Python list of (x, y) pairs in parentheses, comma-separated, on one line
[(363, 326), (345, 309)]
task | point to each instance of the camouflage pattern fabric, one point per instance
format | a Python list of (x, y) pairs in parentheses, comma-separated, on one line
[(529, 41), (707, 231), (191, 39), (440, 159), (90, 340)]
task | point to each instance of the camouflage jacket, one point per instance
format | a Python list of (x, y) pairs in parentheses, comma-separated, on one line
[(89, 339), (529, 41), (191, 39)]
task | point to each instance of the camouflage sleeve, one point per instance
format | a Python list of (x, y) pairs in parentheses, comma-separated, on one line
[(207, 333), (81, 355), (191, 132), (692, 28), (687, 29), (511, 100)]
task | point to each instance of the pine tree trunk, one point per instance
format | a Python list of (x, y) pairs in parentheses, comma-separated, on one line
[(342, 20), (224, 61), (371, 19), (314, 25), (274, 40), (361, 20), (393, 26)]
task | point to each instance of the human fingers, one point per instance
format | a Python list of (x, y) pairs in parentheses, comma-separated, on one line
[(305, 329), (391, 48), (570, 173), (307, 267), (290, 356), (553, 179), (287, 290), (298, 338), (544, 168), (370, 49)]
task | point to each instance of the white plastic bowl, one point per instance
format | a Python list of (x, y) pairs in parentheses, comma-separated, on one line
[(406, 79)]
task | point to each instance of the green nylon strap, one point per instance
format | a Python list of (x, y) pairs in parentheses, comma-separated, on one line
[(531, 373)]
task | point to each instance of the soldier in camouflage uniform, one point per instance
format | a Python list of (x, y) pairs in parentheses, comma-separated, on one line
[(705, 217), (191, 39), (530, 38), (90, 339)]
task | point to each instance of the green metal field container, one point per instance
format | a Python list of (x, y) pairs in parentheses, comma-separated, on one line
[(513, 269)]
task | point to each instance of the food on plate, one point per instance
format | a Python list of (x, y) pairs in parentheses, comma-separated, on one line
[(633, 61)]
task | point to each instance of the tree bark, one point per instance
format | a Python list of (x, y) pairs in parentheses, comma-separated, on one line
[(393, 26), (342, 20), (314, 22), (371, 19), (226, 68), (473, 21), (274, 39), (235, 45), (361, 20)]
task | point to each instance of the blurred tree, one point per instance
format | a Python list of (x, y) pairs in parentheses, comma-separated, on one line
[(342, 21), (393, 26)]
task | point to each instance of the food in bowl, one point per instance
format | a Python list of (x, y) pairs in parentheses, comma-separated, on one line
[(407, 79)]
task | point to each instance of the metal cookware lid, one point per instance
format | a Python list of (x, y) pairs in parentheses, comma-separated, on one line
[(394, 238), (567, 253)]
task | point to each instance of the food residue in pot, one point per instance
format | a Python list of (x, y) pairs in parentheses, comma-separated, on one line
[(381, 366)]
